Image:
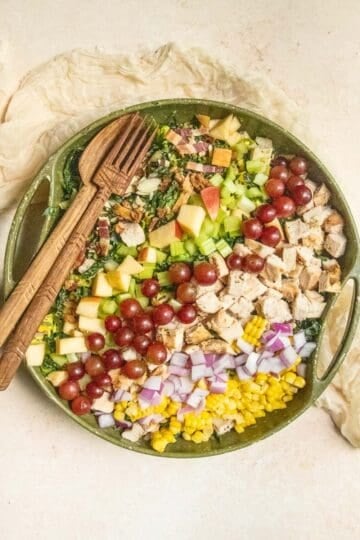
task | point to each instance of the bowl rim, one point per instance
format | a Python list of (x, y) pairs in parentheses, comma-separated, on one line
[(48, 170)]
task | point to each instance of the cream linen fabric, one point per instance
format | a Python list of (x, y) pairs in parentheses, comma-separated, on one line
[(60, 97)]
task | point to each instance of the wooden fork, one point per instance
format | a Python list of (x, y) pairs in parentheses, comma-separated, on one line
[(114, 176), (90, 161)]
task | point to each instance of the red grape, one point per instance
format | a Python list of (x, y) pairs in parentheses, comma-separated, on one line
[(134, 369), (112, 323), (76, 370), (95, 341), (124, 336), (279, 171), (81, 405), (271, 236), (234, 261), (265, 213), (186, 293), (156, 353), (293, 182), (275, 187), (141, 343), (103, 380), (69, 390), (150, 287), (279, 160), (301, 195), (253, 263), (93, 390), (130, 308), (186, 314), (284, 206), (298, 165), (112, 359), (163, 314), (205, 273), (252, 228), (179, 273), (142, 324), (94, 366)]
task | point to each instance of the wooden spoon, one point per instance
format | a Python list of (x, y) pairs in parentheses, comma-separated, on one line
[(23, 293)]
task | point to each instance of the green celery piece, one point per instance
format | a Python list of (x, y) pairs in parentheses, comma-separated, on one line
[(246, 205), (132, 287), (160, 256), (125, 250), (108, 307), (190, 247), (59, 359), (223, 248), (232, 224), (255, 166), (228, 202), (230, 186), (216, 230), (260, 179), (196, 200), (122, 296), (206, 246), (232, 203), (221, 216), (216, 180), (177, 248), (240, 190), (231, 173), (253, 193), (163, 278), (225, 192), (143, 301), (207, 227), (147, 271), (175, 304)]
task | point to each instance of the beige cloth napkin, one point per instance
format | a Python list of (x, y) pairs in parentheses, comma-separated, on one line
[(60, 97)]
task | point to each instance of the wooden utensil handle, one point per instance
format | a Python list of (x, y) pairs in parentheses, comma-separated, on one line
[(15, 348), (24, 291)]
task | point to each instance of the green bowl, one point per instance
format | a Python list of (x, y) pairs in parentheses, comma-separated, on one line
[(21, 246)]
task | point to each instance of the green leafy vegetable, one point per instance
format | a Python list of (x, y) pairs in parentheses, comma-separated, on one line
[(311, 328), (48, 366)]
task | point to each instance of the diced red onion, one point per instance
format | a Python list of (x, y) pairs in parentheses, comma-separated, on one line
[(123, 424), (197, 396), (106, 421), (301, 369), (186, 384), (288, 356), (266, 354), (307, 349), (271, 365), (177, 370), (157, 399), (197, 357), (242, 374), (299, 340), (146, 420), (153, 383), (245, 346), (251, 362), (121, 395), (169, 388), (284, 328), (210, 359), (175, 380), (218, 387), (179, 359), (222, 377), (147, 395), (198, 372), (240, 360)]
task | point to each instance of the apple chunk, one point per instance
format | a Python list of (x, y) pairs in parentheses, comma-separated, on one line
[(101, 286), (86, 324), (130, 266), (35, 354), (191, 218), (119, 280), (71, 345), (211, 199), (164, 235), (147, 255), (89, 307), (203, 119)]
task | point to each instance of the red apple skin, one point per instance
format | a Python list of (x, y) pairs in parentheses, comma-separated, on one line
[(211, 199)]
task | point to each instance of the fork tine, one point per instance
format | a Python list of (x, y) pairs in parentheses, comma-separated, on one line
[(140, 151), (121, 140), (122, 156)]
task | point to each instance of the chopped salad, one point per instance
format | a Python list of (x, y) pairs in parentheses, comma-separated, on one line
[(196, 303)]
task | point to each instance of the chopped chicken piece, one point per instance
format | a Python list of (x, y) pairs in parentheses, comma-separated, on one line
[(334, 223), (289, 258), (274, 266), (333, 268), (274, 309), (226, 299), (290, 288), (209, 302), (321, 195), (222, 426), (241, 249), (217, 346), (305, 254), (171, 335), (327, 285), (309, 277), (271, 284), (317, 215), (243, 308), (258, 248), (197, 334), (246, 285), (314, 238), (274, 293), (295, 274), (203, 289), (132, 234), (226, 326), (133, 434), (221, 266), (295, 230), (308, 306), (335, 244), (300, 210)]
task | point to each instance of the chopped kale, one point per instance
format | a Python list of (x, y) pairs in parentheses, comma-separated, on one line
[(71, 175), (311, 328)]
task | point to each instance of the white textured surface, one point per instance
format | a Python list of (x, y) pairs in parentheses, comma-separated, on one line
[(58, 481)]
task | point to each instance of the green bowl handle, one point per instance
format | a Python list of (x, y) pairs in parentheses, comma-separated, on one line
[(320, 383)]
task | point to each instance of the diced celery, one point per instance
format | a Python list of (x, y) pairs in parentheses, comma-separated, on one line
[(160, 256), (206, 246), (216, 230), (240, 189), (228, 201), (255, 166), (207, 227), (190, 247), (121, 297), (177, 248), (163, 131), (253, 193), (163, 278), (174, 304), (143, 301), (216, 180), (72, 357), (223, 248), (147, 271), (246, 205), (225, 192), (232, 224), (221, 215), (132, 286), (60, 359), (125, 250), (108, 307), (232, 203), (196, 200), (260, 179), (231, 173), (241, 148), (110, 265)]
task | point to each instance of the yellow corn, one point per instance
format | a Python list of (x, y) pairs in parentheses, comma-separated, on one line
[(254, 329)]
